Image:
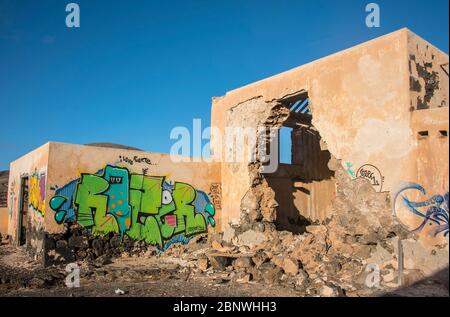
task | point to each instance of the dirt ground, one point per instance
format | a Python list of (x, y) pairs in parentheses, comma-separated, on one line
[(154, 276)]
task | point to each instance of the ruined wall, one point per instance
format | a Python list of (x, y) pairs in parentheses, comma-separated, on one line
[(420, 199), (83, 200), (34, 166), (4, 221), (103, 194), (364, 104), (354, 95)]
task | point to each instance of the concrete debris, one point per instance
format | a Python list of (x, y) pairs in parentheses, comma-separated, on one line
[(203, 264), (331, 258), (119, 292), (251, 238)]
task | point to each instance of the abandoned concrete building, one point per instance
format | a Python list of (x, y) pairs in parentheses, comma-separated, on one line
[(369, 162)]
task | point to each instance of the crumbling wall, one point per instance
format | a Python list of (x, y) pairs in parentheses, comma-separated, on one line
[(271, 200), (429, 72), (361, 103)]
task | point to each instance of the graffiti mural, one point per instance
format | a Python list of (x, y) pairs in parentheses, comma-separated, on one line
[(349, 169), (37, 192), (435, 209), (135, 159), (145, 208), (369, 172), (372, 174)]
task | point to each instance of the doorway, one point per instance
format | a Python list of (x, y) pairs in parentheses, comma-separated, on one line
[(23, 211)]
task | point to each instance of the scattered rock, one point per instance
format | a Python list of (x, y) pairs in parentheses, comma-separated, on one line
[(260, 258), (243, 262), (219, 262), (36, 282), (216, 245), (251, 238), (119, 292), (228, 234), (270, 273), (203, 264), (290, 266), (78, 242), (327, 291)]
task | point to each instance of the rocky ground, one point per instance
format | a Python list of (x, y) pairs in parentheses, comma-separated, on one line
[(360, 251), (211, 270)]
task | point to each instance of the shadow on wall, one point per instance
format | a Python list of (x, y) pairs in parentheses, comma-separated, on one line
[(436, 285), (289, 217), (305, 189)]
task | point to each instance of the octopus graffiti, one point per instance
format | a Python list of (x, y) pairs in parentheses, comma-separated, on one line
[(435, 209), (145, 208)]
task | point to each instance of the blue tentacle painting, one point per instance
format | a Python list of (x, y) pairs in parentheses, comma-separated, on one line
[(436, 209)]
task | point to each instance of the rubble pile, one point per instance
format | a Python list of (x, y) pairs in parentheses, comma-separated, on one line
[(78, 244), (356, 252)]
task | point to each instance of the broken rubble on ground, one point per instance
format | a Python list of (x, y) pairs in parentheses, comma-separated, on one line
[(368, 149)]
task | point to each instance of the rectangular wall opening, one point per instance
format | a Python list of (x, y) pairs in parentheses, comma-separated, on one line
[(23, 211), (304, 186)]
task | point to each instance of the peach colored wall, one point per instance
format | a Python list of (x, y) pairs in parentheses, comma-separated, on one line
[(361, 105), (427, 162), (68, 161), (4, 221), (35, 162), (355, 94)]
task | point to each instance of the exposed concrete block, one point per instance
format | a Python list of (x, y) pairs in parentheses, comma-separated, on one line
[(251, 237)]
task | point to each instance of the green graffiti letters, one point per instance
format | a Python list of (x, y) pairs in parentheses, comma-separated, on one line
[(146, 208)]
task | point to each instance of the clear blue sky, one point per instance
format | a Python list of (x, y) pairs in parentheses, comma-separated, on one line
[(135, 69)]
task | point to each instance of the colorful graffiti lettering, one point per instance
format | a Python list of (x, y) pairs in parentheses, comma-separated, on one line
[(37, 192), (349, 169), (135, 159), (147, 208), (436, 213)]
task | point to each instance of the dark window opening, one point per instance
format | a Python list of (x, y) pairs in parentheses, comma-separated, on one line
[(423, 134), (303, 184), (23, 211), (443, 133)]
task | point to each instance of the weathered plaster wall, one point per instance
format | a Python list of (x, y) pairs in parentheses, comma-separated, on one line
[(361, 103), (428, 69), (4, 221), (426, 181), (355, 94), (34, 166), (77, 192), (183, 197)]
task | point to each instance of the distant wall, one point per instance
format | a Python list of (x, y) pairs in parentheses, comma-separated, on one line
[(32, 166), (4, 221)]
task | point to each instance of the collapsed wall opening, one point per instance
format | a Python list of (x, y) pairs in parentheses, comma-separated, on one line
[(303, 188)]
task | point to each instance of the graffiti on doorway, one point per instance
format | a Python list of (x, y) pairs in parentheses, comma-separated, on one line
[(434, 210), (37, 192), (145, 208)]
